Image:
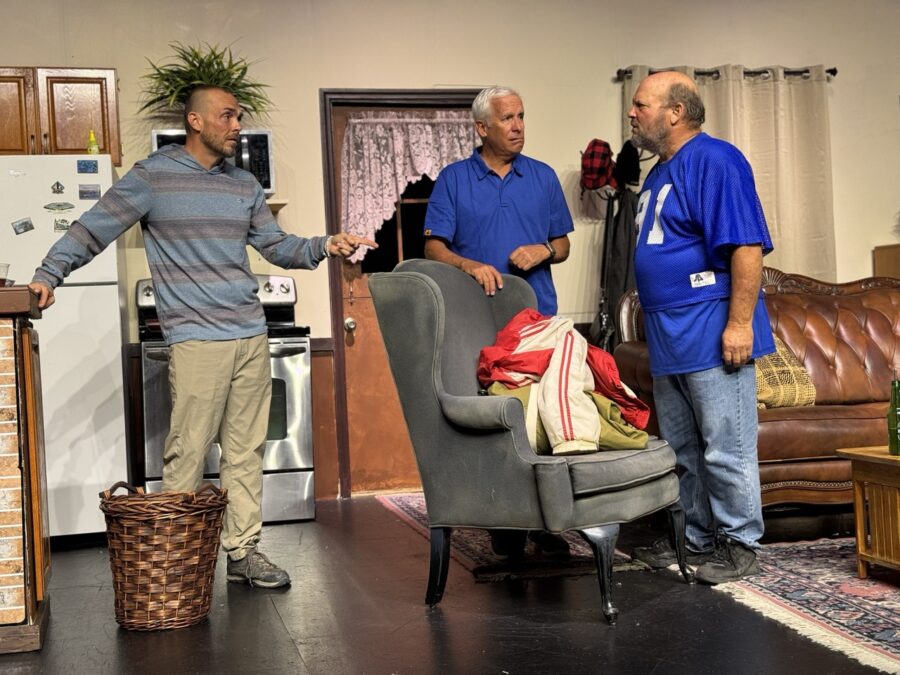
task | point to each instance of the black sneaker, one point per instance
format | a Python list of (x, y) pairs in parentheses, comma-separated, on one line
[(257, 570), (660, 555), (549, 544), (733, 561)]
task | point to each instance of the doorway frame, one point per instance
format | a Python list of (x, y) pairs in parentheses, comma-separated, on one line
[(329, 99)]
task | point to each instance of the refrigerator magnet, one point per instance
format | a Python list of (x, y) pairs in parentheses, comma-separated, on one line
[(87, 166), (22, 225), (61, 225), (88, 191), (59, 206), (57, 188)]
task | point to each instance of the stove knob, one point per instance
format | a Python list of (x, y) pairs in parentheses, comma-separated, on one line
[(267, 287), (284, 288)]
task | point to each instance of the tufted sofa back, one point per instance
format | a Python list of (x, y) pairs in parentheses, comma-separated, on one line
[(846, 335)]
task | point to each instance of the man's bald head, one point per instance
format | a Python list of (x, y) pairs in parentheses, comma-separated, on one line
[(666, 112), (674, 88)]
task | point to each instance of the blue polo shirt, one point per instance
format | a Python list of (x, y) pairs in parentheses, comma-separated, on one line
[(485, 218)]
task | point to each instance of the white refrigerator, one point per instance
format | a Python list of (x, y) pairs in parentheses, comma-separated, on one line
[(80, 336)]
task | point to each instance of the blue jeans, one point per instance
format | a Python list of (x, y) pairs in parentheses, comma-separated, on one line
[(709, 418)]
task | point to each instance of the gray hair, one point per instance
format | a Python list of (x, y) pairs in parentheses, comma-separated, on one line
[(481, 106), (694, 110)]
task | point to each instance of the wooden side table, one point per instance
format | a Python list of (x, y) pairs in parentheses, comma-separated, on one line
[(876, 506)]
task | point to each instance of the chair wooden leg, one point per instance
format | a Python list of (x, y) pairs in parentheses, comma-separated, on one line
[(676, 530), (603, 542), (440, 562)]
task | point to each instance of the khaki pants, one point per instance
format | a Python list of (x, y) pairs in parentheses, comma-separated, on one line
[(221, 389)]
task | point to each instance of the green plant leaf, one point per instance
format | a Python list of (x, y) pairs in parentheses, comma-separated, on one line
[(167, 86)]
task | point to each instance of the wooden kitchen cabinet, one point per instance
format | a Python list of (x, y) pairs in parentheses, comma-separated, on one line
[(51, 111), (18, 119)]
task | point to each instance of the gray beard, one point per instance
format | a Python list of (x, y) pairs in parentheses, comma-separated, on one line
[(653, 144)]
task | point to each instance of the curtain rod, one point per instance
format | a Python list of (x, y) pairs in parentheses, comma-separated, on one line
[(625, 73)]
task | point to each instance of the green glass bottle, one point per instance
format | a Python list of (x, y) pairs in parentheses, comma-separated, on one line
[(893, 418)]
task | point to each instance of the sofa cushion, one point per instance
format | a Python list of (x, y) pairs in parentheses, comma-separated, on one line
[(816, 431), (782, 381)]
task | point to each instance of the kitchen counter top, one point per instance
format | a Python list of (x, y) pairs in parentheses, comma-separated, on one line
[(19, 300)]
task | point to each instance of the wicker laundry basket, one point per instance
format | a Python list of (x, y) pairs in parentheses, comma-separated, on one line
[(163, 550)]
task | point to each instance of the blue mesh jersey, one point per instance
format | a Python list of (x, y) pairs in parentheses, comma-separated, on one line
[(693, 211)]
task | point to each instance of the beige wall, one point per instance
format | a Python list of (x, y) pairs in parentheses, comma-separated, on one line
[(561, 55)]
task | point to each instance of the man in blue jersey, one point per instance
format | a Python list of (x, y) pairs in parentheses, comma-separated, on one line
[(198, 213), (500, 212), (698, 266)]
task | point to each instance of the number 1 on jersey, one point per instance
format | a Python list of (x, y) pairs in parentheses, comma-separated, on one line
[(656, 235)]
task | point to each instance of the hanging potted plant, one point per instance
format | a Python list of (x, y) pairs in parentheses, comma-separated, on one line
[(168, 85)]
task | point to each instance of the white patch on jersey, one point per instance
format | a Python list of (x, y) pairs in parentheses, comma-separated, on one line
[(699, 279), (656, 236), (641, 210)]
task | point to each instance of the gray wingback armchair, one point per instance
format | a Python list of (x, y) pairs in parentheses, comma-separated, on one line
[(474, 459)]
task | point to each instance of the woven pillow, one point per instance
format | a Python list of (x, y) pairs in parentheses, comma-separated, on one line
[(782, 381)]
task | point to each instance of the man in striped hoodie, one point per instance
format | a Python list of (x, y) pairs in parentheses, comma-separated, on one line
[(198, 213)]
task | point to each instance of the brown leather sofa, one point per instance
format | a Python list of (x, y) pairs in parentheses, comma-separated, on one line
[(847, 336)]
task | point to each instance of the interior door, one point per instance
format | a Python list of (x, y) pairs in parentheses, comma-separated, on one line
[(380, 451), (375, 452)]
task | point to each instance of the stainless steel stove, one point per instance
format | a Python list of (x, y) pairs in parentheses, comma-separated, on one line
[(288, 479)]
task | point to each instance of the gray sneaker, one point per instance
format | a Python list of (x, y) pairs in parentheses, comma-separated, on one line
[(732, 561), (660, 555), (257, 570)]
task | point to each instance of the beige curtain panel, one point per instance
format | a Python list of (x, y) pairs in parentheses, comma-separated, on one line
[(778, 117)]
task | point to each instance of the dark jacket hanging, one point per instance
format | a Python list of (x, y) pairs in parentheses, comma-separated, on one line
[(617, 266)]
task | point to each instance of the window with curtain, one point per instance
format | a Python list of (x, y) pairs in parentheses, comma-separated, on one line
[(778, 117), (384, 151)]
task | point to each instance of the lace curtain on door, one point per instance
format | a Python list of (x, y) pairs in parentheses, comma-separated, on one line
[(384, 151), (778, 118)]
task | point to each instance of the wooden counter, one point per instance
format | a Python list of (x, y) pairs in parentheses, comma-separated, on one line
[(18, 301), (24, 539)]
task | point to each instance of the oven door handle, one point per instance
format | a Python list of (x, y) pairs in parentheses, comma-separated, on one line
[(157, 354), (282, 351)]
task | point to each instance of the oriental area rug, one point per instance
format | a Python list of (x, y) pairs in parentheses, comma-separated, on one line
[(813, 588), (472, 548)]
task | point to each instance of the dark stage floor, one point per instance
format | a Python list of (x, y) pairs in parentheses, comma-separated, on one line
[(356, 606)]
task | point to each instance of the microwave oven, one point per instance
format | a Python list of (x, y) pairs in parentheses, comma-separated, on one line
[(253, 154)]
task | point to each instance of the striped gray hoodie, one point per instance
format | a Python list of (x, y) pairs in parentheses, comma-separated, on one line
[(196, 226)]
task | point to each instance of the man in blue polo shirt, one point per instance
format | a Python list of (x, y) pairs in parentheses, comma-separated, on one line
[(500, 212)]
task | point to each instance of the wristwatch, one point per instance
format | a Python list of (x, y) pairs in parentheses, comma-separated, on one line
[(551, 249)]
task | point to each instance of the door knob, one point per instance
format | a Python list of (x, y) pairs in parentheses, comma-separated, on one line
[(349, 324)]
